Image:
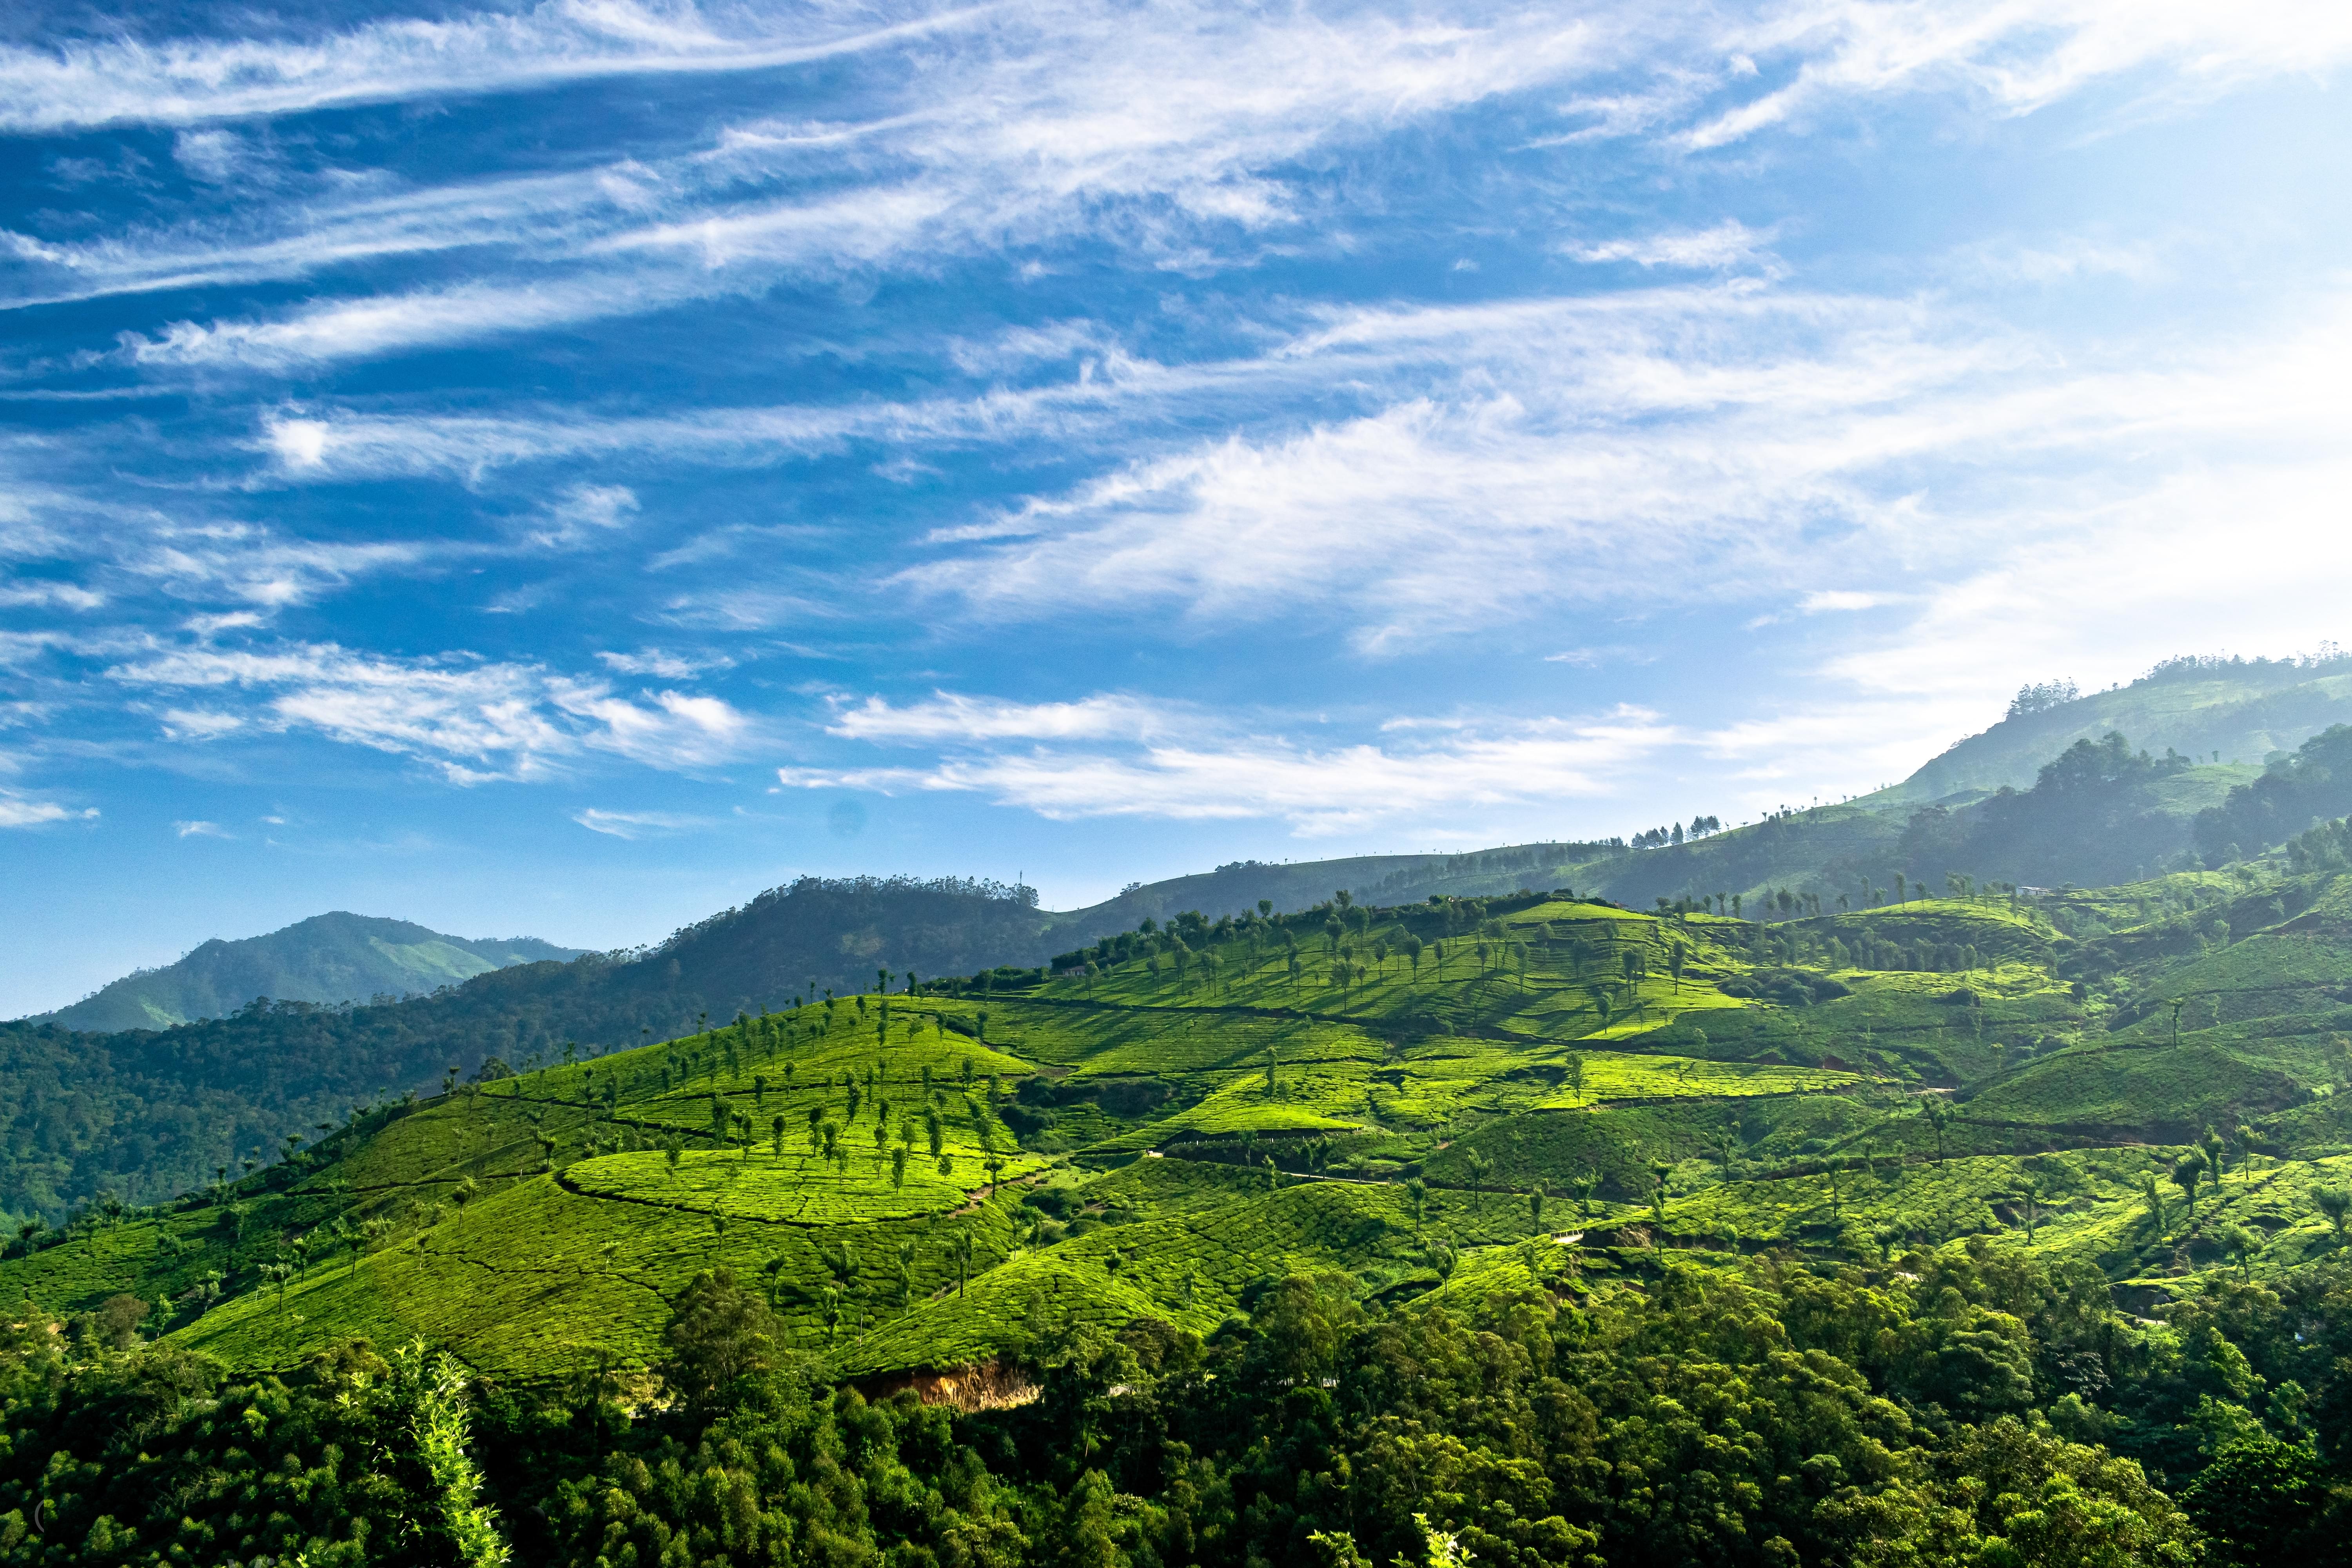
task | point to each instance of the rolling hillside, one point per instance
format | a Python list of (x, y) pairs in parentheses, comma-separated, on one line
[(1324, 1214), (327, 958), (2246, 710), (142, 1114), (932, 1179)]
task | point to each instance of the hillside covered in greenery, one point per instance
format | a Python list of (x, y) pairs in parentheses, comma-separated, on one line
[(1977, 1227), (2228, 709)]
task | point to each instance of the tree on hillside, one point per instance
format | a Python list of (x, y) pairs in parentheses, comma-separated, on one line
[(2031, 1197), (2334, 1204), (2151, 1198), (2186, 1172), (962, 1250), (1479, 1166), (1939, 1117), (720, 1336)]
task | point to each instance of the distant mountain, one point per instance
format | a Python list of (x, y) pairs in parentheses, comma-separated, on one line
[(330, 958), (2247, 711), (1294, 885)]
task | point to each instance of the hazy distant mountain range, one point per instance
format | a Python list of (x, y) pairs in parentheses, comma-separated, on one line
[(335, 957), (2226, 718)]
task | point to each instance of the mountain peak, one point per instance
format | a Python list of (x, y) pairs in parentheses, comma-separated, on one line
[(338, 956)]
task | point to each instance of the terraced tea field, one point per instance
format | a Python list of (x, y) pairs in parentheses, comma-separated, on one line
[(1423, 1097)]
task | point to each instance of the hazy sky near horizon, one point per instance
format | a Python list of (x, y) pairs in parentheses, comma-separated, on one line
[(561, 468)]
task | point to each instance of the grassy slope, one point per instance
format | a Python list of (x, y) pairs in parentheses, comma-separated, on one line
[(2245, 712), (534, 1224)]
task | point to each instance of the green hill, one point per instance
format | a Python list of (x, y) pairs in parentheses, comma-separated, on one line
[(327, 958), (1280, 1080), (1205, 1187), (2246, 710)]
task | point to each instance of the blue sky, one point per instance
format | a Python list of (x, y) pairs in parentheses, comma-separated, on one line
[(560, 469)]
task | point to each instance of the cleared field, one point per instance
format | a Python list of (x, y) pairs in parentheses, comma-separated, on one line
[(793, 1189)]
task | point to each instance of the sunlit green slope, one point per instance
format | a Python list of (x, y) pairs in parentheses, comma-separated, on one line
[(1415, 1096)]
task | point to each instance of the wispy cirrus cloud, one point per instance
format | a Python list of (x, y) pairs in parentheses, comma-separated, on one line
[(1651, 448), (952, 717), (120, 80), (636, 825), (20, 810), (1177, 116), (1164, 131), (2018, 56), (472, 720), (1185, 767), (668, 666), (1729, 244), (1654, 448)]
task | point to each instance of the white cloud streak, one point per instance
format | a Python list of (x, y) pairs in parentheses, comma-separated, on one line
[(472, 720), (948, 717), (1190, 771), (125, 81), (1671, 446), (2016, 55), (1153, 126), (17, 810), (1157, 125), (1729, 244), (635, 824)]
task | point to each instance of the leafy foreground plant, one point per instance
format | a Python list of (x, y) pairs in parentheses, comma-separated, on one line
[(1781, 1414), (151, 1454)]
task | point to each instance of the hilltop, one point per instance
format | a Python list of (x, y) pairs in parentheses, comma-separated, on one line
[(336, 957), (2233, 711)]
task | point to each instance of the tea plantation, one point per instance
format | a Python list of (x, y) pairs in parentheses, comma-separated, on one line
[(1402, 1096)]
